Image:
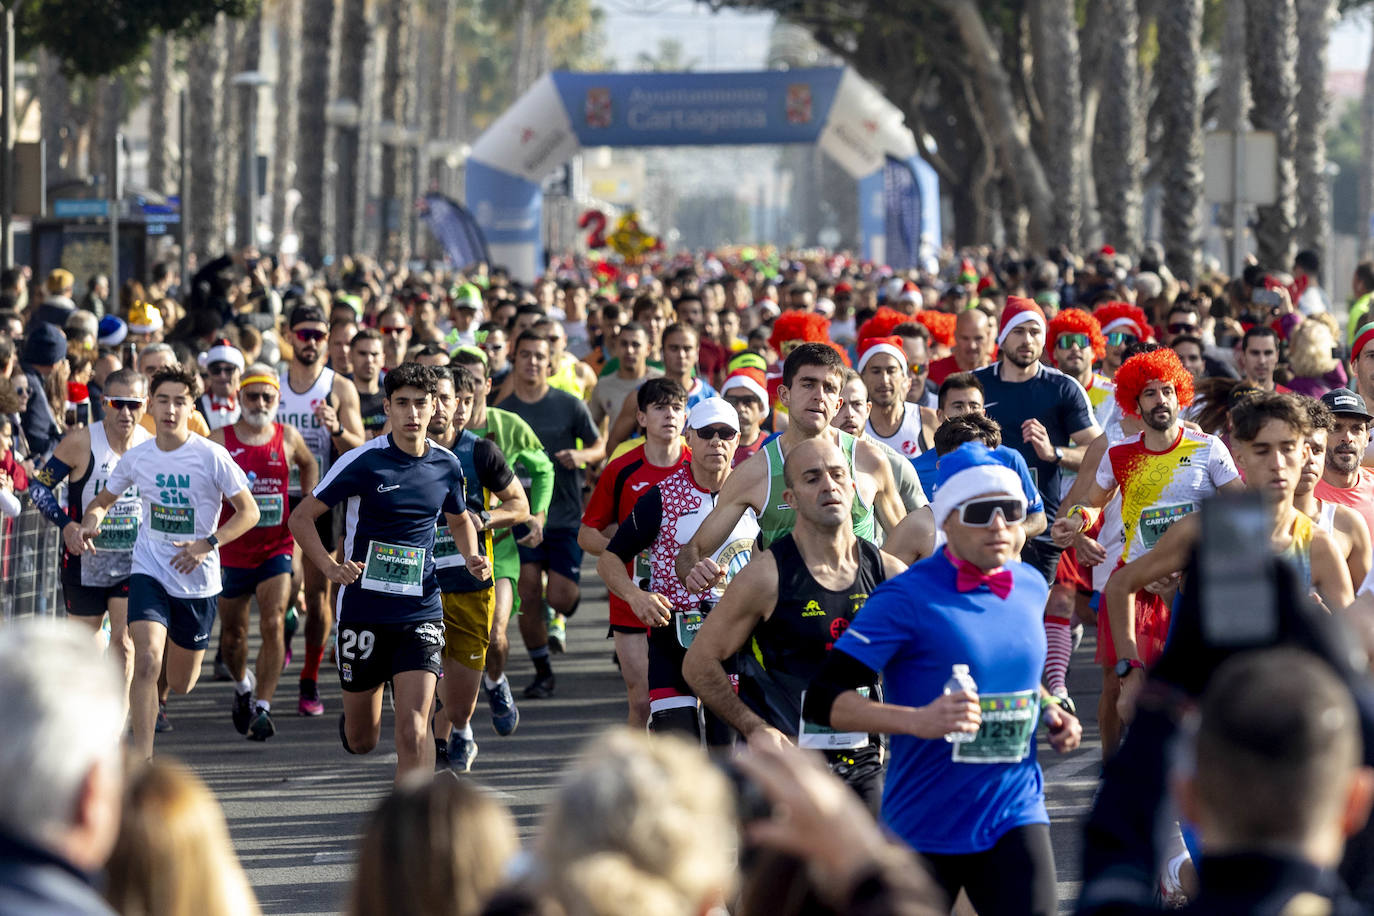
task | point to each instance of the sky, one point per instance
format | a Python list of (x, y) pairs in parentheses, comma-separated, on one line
[(728, 40)]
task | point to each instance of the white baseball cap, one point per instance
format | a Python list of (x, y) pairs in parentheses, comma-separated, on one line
[(713, 410)]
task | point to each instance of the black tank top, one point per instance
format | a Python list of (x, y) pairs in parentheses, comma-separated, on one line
[(788, 649), (373, 412)]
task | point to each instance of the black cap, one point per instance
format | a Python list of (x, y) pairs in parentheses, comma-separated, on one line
[(303, 313), (1344, 402)]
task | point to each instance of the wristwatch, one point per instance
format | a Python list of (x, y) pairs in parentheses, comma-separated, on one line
[(1125, 665), (1058, 455), (212, 540)]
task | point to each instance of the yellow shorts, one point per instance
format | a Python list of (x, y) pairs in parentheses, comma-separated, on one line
[(467, 626)]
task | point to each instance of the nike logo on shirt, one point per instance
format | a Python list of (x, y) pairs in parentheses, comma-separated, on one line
[(384, 489)]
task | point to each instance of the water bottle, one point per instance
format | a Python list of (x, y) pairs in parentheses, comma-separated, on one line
[(960, 681)]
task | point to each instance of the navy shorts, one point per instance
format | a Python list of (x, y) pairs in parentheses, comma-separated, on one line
[(558, 553), (188, 620), (370, 654), (87, 600), (240, 581)]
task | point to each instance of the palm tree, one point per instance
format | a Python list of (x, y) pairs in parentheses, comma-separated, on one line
[(1314, 32), (1270, 47), (159, 113), (204, 103), (396, 106), (246, 105), (355, 34), (284, 102), (1057, 80), (54, 100), (1120, 138), (312, 131), (1366, 210), (1180, 105)]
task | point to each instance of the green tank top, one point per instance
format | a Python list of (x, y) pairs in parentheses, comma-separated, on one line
[(778, 518)]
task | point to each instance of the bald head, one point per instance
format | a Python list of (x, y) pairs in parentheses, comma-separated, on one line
[(972, 334), (811, 454), (819, 483)]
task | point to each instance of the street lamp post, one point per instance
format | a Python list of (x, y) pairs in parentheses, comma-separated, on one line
[(250, 81)]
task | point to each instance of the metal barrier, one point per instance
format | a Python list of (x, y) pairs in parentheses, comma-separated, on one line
[(30, 565)]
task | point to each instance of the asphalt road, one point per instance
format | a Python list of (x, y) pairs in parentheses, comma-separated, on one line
[(297, 804)]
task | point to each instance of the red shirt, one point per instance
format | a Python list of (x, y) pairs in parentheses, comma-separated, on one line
[(617, 490), (943, 368), (745, 452), (268, 473), (1359, 497)]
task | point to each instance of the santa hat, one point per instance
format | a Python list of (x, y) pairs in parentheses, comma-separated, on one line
[(1122, 316), (749, 380), (871, 347), (1019, 310), (222, 352), (144, 318), (971, 470), (111, 331), (1362, 337)]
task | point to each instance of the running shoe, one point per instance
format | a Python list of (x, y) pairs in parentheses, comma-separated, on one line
[(440, 755), (221, 669), (261, 728), (243, 706), (461, 753), (163, 723), (541, 688), (558, 635), (504, 716), (310, 703)]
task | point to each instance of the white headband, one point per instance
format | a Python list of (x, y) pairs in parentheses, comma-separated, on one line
[(1121, 323), (887, 348)]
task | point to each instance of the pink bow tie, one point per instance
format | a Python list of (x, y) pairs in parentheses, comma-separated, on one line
[(969, 577)]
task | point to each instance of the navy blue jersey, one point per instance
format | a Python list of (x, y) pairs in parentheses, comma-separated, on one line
[(392, 501), (1051, 397)]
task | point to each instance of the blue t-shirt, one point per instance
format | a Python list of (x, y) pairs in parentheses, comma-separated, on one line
[(914, 628), (1051, 397), (927, 469), (392, 500)]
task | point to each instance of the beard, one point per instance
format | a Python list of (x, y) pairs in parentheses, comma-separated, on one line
[(257, 417), (1159, 419), (1345, 461), (1017, 360)]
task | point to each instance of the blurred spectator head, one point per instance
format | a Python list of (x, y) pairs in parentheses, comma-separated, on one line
[(60, 282), (173, 854), (60, 760), (440, 838)]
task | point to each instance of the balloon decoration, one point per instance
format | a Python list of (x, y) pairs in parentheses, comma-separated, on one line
[(631, 242)]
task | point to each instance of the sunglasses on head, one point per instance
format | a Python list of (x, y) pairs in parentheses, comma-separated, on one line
[(978, 513), (724, 433), (310, 335), (1182, 328), (1117, 338), (1072, 341), (132, 405)]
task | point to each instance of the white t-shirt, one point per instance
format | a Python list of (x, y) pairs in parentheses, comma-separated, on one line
[(182, 491)]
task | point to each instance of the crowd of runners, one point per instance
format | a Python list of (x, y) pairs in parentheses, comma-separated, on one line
[(861, 511)]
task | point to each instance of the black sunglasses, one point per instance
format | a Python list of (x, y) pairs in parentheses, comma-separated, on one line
[(712, 432)]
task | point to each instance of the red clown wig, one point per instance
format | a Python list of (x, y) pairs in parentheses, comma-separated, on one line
[(940, 325), (1076, 321), (1123, 315), (1160, 365), (807, 327), (882, 323)]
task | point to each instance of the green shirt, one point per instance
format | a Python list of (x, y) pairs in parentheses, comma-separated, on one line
[(522, 448), (778, 518), (1359, 315)]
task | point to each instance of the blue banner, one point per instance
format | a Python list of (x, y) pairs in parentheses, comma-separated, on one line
[(696, 109), (902, 210), (456, 230)]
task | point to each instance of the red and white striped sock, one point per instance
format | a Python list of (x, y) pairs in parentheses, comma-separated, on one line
[(1059, 639)]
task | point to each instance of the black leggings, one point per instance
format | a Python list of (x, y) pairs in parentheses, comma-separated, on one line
[(1014, 877)]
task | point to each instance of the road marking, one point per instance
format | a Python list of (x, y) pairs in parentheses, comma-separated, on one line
[(334, 858)]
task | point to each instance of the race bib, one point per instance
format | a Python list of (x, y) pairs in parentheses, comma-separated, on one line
[(172, 523), (445, 550), (393, 569), (687, 623), (271, 507), (642, 569), (119, 530), (1159, 519), (293, 481), (1007, 731), (823, 738)]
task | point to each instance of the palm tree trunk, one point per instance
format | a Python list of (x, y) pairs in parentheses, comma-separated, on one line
[(396, 155), (284, 93), (54, 100), (1366, 210), (1120, 136), (229, 148), (204, 103), (1270, 47), (159, 114), (355, 33), (1058, 85), (246, 104), (312, 132), (1314, 32), (1177, 74)]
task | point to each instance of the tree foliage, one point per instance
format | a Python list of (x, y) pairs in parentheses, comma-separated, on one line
[(98, 37)]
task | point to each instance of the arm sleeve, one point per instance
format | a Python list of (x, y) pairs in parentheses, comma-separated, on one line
[(840, 673), (880, 628), (1078, 410), (540, 467), (122, 477), (583, 427), (637, 533), (908, 484), (492, 470), (600, 510), (340, 483), (228, 475), (45, 480)]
